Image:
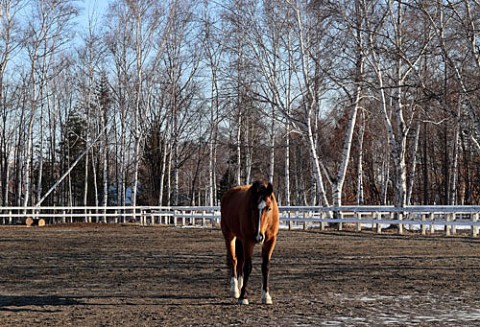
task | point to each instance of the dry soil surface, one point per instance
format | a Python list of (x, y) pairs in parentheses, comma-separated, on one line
[(104, 275)]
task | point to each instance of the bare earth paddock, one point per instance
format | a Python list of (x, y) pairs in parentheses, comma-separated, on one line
[(111, 275)]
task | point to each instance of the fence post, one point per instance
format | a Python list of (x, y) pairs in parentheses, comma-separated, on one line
[(290, 222), (424, 227), (378, 226), (358, 215), (474, 227), (454, 227), (410, 215), (400, 225), (447, 226), (340, 224), (322, 223), (431, 217)]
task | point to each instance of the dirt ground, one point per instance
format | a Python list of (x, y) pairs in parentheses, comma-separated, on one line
[(105, 275)]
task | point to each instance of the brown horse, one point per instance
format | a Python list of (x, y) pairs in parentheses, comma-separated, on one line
[(249, 216)]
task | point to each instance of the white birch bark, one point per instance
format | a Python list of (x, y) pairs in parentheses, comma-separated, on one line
[(311, 110), (248, 151), (393, 115), (165, 150), (338, 182), (239, 149), (413, 164), (213, 55), (361, 134), (8, 10), (470, 35), (271, 164)]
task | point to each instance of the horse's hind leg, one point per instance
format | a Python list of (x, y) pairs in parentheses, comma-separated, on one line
[(232, 266)]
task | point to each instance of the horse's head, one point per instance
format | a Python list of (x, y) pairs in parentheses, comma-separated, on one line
[(263, 201)]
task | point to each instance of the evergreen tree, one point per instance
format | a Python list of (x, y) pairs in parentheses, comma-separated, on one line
[(71, 147)]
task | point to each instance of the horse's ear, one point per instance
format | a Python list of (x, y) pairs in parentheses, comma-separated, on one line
[(269, 189), (259, 189), (255, 188)]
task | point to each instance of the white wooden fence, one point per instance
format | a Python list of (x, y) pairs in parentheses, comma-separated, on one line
[(426, 219)]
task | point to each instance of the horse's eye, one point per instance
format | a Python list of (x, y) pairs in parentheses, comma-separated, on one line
[(269, 209)]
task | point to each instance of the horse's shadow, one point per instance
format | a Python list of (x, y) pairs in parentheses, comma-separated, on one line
[(49, 303), (35, 303)]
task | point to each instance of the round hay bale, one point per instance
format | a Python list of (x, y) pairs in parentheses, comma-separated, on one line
[(29, 221), (35, 222)]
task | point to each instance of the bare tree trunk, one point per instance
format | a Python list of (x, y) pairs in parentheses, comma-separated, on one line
[(212, 150), (452, 199), (95, 183), (316, 162), (337, 185), (239, 149), (361, 134), (8, 44), (311, 110), (105, 164), (169, 176), (272, 147), (175, 194), (413, 164), (248, 150), (166, 150)]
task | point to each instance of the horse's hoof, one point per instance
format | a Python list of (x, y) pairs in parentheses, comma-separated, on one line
[(242, 301), (266, 298), (235, 294)]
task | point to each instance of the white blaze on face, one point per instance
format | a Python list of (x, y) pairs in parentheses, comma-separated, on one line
[(261, 206)]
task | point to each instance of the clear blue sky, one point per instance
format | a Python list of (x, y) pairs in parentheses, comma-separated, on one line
[(98, 7)]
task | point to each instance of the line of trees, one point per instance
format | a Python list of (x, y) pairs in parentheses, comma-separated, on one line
[(173, 102)]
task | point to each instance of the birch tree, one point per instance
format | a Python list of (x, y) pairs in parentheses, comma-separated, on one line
[(309, 83), (406, 54), (214, 50), (10, 44), (119, 39), (92, 56), (47, 34), (352, 88), (180, 63)]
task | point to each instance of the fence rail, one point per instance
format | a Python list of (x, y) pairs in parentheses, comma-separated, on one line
[(427, 219)]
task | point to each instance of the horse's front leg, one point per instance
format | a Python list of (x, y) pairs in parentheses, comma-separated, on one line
[(267, 251), (247, 269), (232, 266), (240, 264)]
